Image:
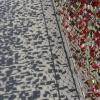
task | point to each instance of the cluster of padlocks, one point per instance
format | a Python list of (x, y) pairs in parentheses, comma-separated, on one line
[(80, 20)]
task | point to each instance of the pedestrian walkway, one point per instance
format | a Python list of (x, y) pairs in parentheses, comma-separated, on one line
[(33, 62)]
